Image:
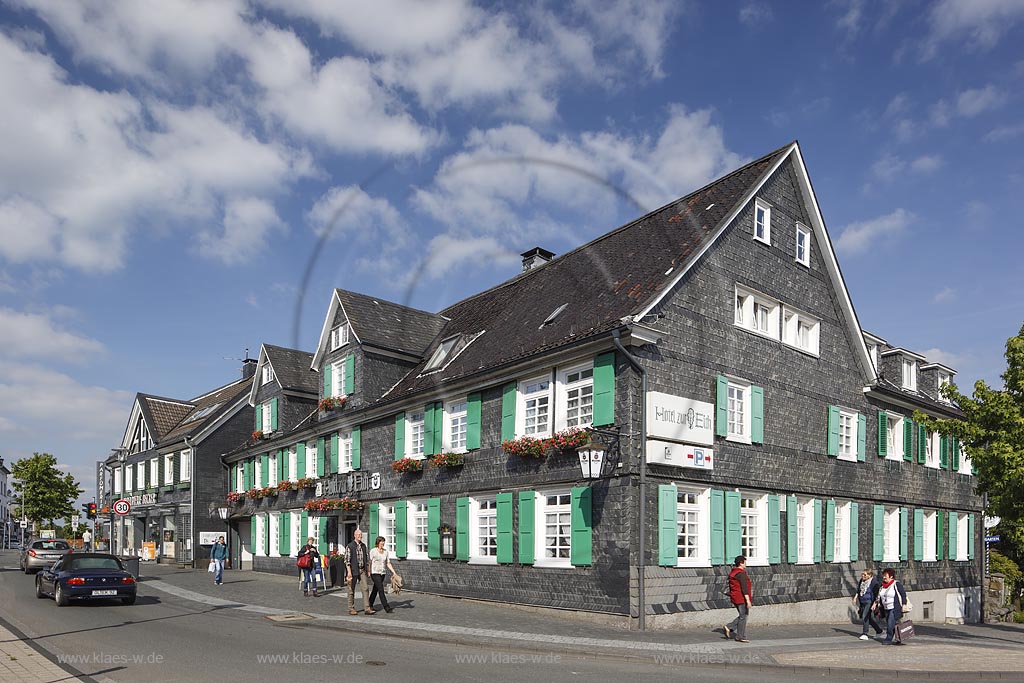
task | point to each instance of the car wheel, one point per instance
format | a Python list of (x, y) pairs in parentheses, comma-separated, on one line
[(25, 568), (60, 596), (128, 601), (39, 588)]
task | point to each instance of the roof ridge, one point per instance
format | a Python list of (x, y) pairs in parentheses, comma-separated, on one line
[(154, 397), (246, 380), (388, 301)]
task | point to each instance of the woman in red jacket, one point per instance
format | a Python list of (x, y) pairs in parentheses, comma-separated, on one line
[(739, 593)]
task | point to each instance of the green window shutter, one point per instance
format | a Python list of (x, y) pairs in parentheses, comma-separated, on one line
[(462, 529), (159, 472), (266, 534), (245, 475), (399, 436), (428, 429), (252, 534), (854, 531), (951, 546), (176, 476), (830, 530), (668, 539), (581, 549), (273, 414), (904, 533), (321, 541), (282, 465), (970, 536), (527, 544), (303, 528), (321, 457), (721, 406), (943, 453), (300, 462), (284, 523), (908, 440), (756, 414), (328, 380), (473, 421), (862, 437), (433, 522), (357, 447), (401, 522), (604, 389), (233, 479), (265, 470), (954, 455), (791, 520), (508, 411), (374, 522), (833, 431), (438, 427), (258, 414), (717, 527), (922, 444), (733, 530), (883, 433), (940, 535), (918, 534), (504, 520), (774, 530), (350, 374), (878, 532), (335, 450), (817, 530)]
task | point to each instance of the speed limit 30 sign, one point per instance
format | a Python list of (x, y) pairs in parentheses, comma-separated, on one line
[(122, 507)]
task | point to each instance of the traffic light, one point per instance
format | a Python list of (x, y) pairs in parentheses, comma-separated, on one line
[(85, 511), (92, 510)]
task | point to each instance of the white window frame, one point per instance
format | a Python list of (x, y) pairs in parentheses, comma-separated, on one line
[(293, 463), (311, 455), (386, 525), (265, 421), (563, 388), (766, 236), (154, 473), (563, 510), (909, 374), (339, 336), (456, 425), (257, 472), (295, 532), (168, 470), (275, 533), (522, 399), (802, 230), (700, 507), (758, 509), (140, 472), (746, 299), (344, 452), (894, 450), (891, 534), (259, 532), (185, 465), (416, 512), (338, 378), (966, 466), (804, 530), (240, 477), (943, 378), (841, 533), (129, 473), (272, 467), (414, 427), (848, 445), (873, 352), (930, 551), (793, 321), (484, 506), (268, 373), (734, 386), (117, 480), (962, 536), (933, 453)]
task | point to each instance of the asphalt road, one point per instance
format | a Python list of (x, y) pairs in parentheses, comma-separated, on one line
[(164, 638)]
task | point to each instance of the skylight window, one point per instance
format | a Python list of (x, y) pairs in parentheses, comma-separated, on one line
[(199, 414), (448, 348), (554, 314)]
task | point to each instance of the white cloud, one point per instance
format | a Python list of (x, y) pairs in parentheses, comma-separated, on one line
[(978, 215), (446, 252), (249, 224), (898, 106), (949, 359), (37, 335), (944, 296), (890, 166), (754, 14), (979, 23), (974, 101), (852, 17), (928, 163), (1004, 133), (856, 238)]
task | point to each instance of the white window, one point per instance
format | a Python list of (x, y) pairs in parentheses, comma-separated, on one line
[(757, 313), (576, 402), (240, 479), (804, 531), (803, 245), (275, 531), (894, 437), (168, 469), (929, 532), (414, 434), (891, 535), (128, 472), (265, 417), (800, 330), (943, 380), (932, 444), (268, 373), (738, 412), (272, 466), (483, 530), (966, 466), (386, 520), (693, 508), (260, 533), (848, 428), (455, 422), (311, 458), (154, 473), (185, 466), (754, 528), (534, 413), (841, 545), (762, 222), (345, 452), (293, 464), (140, 472), (554, 529), (962, 536), (295, 542), (873, 352), (257, 471), (910, 375), (117, 481), (445, 350), (338, 378), (417, 526), (339, 336)]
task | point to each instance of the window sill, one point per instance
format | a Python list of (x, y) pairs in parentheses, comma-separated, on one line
[(847, 458), (759, 333), (703, 562), (417, 556), (806, 352), (757, 561), (799, 262), (738, 439), (553, 564), (483, 560)]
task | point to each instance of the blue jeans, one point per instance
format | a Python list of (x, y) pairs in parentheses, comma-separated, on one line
[(218, 574), (867, 619), (739, 624), (890, 616), (307, 578)]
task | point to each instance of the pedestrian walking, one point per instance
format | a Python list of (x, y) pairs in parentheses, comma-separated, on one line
[(739, 593), (87, 541), (864, 600), (357, 572), (309, 566), (218, 553), (892, 598), (380, 563)]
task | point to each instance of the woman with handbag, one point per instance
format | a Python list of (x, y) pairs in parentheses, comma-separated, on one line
[(309, 560), (379, 564), (864, 600), (892, 597)]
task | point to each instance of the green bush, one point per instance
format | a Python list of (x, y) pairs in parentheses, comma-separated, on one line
[(1018, 617), (1001, 564)]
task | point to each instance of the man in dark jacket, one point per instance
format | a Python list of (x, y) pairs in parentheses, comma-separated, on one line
[(739, 593), (357, 571)]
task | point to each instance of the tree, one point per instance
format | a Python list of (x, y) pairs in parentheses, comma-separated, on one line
[(48, 493)]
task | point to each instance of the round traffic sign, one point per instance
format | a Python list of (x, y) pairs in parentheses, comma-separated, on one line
[(122, 507)]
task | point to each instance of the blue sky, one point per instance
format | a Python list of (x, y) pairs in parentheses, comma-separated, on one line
[(168, 168)]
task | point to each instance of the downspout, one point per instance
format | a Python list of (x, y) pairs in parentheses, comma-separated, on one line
[(192, 499), (642, 593)]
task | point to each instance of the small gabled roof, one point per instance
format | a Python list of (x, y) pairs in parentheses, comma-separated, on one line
[(939, 366), (874, 338), (291, 370), (161, 414), (903, 352), (207, 408), (383, 324)]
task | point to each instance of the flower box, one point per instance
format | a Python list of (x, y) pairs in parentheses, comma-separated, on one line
[(286, 485), (305, 483), (236, 497), (525, 447), (332, 403), (268, 491), (322, 505), (568, 440), (448, 460), (254, 493), (407, 465), (257, 435)]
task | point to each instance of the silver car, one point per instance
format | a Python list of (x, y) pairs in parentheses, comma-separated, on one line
[(42, 552)]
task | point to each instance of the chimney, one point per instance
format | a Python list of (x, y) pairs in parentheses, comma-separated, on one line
[(536, 257), (248, 366)]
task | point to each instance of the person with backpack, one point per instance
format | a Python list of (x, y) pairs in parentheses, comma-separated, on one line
[(308, 561), (892, 597), (864, 599), (739, 593), (218, 553)]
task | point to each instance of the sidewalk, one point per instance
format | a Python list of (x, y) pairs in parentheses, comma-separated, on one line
[(20, 661), (990, 651)]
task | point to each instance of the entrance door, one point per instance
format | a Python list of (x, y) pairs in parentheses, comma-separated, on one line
[(347, 533), (244, 537)]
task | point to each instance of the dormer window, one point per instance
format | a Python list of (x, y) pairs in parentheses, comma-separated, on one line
[(910, 374), (943, 380), (803, 245), (873, 352), (762, 222), (447, 350), (339, 336), (268, 373)]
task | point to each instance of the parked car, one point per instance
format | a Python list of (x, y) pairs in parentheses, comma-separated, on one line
[(86, 576), (42, 552)]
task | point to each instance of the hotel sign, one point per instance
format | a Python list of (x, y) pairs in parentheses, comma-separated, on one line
[(144, 499), (352, 482), (675, 418)]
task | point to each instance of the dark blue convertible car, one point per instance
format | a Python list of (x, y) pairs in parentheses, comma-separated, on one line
[(86, 576)]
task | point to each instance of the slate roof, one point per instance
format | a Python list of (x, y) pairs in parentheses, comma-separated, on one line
[(291, 367), (604, 281), (223, 398), (389, 325), (927, 403), (162, 414)]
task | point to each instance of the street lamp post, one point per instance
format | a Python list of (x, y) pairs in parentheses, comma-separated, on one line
[(122, 457)]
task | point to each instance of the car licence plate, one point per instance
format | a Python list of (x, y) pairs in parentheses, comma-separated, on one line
[(104, 592)]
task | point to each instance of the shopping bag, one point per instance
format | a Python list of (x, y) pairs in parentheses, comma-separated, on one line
[(904, 631), (212, 567)]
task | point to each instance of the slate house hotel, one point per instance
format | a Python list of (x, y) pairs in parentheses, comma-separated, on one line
[(710, 349)]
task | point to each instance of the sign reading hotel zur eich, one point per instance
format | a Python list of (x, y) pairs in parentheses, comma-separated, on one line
[(352, 482), (675, 418)]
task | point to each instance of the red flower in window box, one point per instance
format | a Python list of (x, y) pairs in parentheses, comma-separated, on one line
[(257, 435), (447, 460), (236, 497), (568, 440), (525, 447), (305, 483), (286, 485), (332, 403), (407, 465)]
